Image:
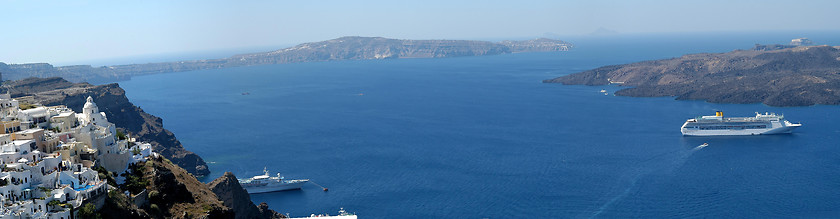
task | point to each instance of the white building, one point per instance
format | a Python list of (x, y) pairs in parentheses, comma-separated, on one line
[(95, 130), (8, 106), (46, 166)]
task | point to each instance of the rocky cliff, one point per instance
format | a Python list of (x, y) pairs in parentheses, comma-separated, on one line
[(171, 192), (773, 75), (177, 194), (344, 48), (228, 189), (111, 99), (537, 45)]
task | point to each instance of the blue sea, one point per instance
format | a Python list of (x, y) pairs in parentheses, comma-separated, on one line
[(482, 137)]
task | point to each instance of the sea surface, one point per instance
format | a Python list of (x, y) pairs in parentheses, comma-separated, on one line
[(482, 137)]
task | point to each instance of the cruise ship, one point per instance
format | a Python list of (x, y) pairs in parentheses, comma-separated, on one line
[(265, 183), (761, 124)]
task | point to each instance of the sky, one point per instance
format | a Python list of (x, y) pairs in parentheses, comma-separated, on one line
[(76, 32)]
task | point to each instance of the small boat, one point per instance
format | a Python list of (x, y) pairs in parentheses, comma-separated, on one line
[(246, 93), (603, 91), (265, 183), (704, 145)]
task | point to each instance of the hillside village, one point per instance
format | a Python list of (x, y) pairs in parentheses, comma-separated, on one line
[(49, 156)]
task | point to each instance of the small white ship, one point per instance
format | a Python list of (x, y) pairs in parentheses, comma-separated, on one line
[(761, 124), (342, 214), (265, 183)]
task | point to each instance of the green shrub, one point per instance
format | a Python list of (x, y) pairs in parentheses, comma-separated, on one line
[(134, 181), (121, 135), (155, 209), (106, 175), (88, 212), (154, 195)]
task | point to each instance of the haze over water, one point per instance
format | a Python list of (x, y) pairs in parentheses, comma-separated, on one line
[(482, 137)]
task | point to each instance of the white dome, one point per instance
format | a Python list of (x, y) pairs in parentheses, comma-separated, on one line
[(90, 107)]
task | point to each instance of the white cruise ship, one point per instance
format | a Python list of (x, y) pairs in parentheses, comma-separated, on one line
[(265, 183), (761, 124)]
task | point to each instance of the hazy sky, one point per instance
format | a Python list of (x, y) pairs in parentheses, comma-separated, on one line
[(75, 31)]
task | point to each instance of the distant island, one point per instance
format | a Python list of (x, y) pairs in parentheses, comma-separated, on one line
[(344, 48), (776, 75)]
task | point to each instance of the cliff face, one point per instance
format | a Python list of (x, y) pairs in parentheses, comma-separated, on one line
[(77, 73), (773, 75), (118, 205), (111, 99), (345, 48), (228, 189), (537, 45), (171, 192), (36, 85)]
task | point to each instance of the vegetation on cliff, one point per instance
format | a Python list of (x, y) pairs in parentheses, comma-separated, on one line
[(161, 189), (773, 75), (177, 194)]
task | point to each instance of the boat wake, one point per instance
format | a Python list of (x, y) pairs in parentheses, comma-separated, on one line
[(616, 198), (673, 159)]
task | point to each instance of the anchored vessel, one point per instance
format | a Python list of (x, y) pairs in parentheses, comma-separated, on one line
[(342, 214), (761, 124), (265, 183)]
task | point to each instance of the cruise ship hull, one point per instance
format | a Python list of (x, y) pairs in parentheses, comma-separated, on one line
[(767, 124), (276, 187), (733, 132)]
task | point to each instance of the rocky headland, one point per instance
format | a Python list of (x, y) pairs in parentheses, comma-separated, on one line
[(776, 75), (344, 48), (168, 191)]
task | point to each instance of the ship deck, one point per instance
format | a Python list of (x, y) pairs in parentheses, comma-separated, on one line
[(734, 119)]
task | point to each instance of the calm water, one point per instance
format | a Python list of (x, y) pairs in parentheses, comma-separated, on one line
[(481, 137)]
